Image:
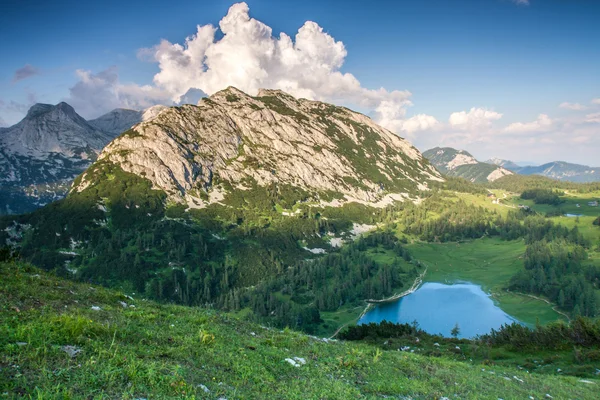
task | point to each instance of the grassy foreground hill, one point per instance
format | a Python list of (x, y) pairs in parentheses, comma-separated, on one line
[(61, 339)]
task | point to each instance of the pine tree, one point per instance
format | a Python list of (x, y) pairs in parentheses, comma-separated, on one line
[(455, 331)]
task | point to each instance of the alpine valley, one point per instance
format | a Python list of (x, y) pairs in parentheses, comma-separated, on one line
[(228, 209), (201, 203), (252, 214)]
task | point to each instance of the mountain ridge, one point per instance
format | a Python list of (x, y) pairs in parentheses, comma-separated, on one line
[(44, 152), (460, 163), (560, 170), (272, 137)]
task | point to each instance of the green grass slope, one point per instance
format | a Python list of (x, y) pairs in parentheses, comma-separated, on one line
[(131, 348)]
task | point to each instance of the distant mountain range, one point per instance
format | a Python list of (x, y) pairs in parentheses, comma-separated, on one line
[(559, 170), (503, 163), (42, 154), (462, 164)]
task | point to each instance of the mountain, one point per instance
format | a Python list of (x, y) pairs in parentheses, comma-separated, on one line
[(504, 163), (559, 170), (119, 120), (222, 202), (462, 164), (43, 153), (564, 171), (116, 121), (232, 141)]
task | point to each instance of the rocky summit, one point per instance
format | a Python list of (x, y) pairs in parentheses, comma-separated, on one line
[(462, 164), (231, 141), (41, 155)]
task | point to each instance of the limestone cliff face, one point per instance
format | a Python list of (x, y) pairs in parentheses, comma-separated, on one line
[(231, 141)]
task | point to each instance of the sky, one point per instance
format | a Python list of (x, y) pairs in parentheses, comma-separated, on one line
[(514, 79)]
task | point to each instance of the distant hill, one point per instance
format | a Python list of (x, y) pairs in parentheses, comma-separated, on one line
[(119, 120), (564, 171), (462, 164), (268, 139), (560, 170), (504, 163)]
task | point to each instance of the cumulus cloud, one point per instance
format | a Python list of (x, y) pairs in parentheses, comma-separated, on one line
[(593, 118), (419, 122), (25, 72), (474, 119), (543, 122), (249, 57), (572, 106), (96, 94)]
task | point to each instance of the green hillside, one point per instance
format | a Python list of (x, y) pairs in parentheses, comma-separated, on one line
[(61, 339)]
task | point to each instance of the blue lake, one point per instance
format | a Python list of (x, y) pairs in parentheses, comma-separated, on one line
[(438, 308)]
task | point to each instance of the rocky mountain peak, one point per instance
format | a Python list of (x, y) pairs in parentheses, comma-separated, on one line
[(461, 163), (42, 154), (117, 120), (239, 140), (48, 129), (37, 109), (66, 108), (152, 112)]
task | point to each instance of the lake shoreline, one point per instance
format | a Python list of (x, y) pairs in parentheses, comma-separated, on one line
[(418, 282), (370, 302)]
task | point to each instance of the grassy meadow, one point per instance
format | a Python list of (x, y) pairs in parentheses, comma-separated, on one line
[(489, 262), (65, 340)]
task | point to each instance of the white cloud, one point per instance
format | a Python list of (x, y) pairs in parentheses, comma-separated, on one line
[(474, 119), (596, 101), (419, 122), (96, 94), (593, 118), (2, 123), (249, 57), (572, 106), (543, 122), (521, 2)]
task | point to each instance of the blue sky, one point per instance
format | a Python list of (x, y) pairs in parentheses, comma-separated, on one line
[(500, 63)]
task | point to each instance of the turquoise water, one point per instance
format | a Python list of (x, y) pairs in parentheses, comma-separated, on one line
[(438, 308)]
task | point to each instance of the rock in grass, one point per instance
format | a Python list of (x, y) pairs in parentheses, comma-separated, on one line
[(72, 351), (296, 361), (204, 388)]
